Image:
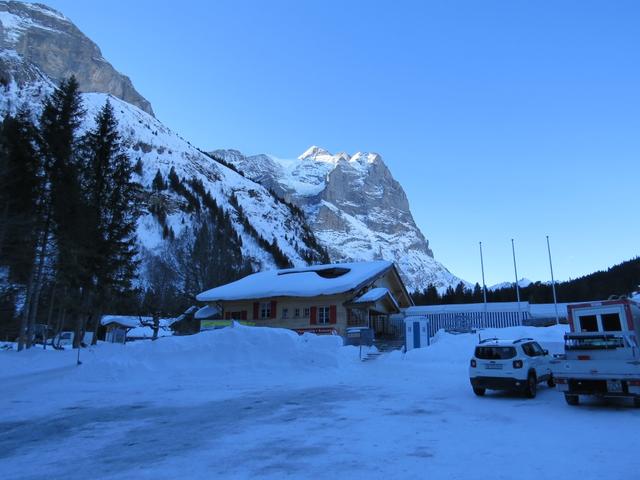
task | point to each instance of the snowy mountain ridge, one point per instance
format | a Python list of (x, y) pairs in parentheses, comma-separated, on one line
[(358, 211), (522, 283), (263, 221), (345, 202)]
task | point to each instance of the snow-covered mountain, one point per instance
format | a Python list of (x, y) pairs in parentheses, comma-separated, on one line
[(522, 283), (259, 217), (356, 208), (349, 204)]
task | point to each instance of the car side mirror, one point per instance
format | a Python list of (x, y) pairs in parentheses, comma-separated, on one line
[(546, 352)]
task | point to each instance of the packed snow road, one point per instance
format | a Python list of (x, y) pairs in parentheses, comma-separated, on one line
[(262, 403)]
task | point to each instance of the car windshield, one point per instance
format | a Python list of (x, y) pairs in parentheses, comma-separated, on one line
[(495, 353), (595, 342)]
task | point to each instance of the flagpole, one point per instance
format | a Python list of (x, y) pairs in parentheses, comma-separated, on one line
[(553, 282), (484, 286), (515, 269)]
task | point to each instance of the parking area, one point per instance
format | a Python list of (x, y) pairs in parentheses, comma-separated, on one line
[(413, 416)]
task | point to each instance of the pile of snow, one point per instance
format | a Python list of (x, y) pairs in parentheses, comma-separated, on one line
[(238, 349), (235, 348), (452, 351)]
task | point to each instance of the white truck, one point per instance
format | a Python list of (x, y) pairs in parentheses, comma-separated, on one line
[(601, 356)]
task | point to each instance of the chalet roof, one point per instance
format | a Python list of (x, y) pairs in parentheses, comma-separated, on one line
[(206, 312), (374, 295), (310, 281)]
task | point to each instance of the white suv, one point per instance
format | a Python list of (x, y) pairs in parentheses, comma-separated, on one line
[(509, 365)]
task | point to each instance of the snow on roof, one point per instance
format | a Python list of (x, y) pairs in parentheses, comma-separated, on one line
[(374, 295), (310, 281), (124, 320), (502, 342), (206, 312), (548, 310), (133, 321), (468, 307)]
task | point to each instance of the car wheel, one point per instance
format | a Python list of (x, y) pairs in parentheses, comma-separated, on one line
[(551, 382), (572, 399), (532, 385), (479, 391)]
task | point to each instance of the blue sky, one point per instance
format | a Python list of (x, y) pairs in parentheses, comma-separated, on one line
[(501, 120)]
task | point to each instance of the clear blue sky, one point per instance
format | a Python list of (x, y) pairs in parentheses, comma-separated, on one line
[(500, 119)]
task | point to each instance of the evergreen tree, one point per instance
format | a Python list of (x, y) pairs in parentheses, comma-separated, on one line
[(64, 206), (478, 296), (113, 200), (20, 183), (139, 168), (158, 183)]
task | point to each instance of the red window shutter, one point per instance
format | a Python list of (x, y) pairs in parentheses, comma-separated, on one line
[(243, 315), (274, 304), (313, 315), (333, 314), (256, 310), (227, 315)]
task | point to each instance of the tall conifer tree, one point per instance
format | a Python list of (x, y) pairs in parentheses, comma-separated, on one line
[(113, 203)]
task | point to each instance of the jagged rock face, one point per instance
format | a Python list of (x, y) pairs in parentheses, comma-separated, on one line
[(355, 206), (47, 39)]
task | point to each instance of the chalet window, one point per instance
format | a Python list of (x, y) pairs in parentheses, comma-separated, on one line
[(306, 312), (324, 314), (265, 310), (296, 313), (285, 313)]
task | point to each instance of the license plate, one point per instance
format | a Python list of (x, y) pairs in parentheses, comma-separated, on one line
[(614, 386), (493, 366)]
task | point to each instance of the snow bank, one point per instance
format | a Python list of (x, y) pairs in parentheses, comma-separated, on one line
[(453, 350), (237, 349)]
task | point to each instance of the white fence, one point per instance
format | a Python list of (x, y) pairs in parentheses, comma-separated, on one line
[(473, 320)]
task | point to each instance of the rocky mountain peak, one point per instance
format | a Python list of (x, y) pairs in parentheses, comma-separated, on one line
[(316, 153), (47, 40), (356, 208)]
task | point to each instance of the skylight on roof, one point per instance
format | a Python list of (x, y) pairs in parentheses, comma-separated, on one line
[(332, 272)]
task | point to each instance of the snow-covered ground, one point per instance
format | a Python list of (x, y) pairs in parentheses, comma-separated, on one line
[(265, 403)]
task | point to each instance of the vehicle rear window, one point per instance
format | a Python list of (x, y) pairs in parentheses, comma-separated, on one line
[(495, 353), (588, 323), (611, 322), (595, 342)]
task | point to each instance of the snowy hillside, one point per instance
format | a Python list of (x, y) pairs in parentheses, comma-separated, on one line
[(158, 148), (263, 221), (358, 211), (266, 403), (347, 205)]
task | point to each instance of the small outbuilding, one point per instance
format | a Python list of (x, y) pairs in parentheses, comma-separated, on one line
[(416, 332), (123, 328)]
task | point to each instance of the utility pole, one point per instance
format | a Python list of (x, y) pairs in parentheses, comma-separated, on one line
[(484, 286), (515, 269), (553, 282)]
